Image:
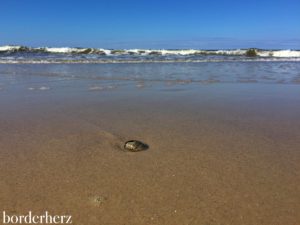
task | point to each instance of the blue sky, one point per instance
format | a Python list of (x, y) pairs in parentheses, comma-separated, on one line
[(209, 24)]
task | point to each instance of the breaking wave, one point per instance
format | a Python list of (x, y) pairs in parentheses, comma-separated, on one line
[(68, 50), (23, 54)]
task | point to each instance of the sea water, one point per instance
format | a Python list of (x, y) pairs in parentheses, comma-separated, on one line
[(106, 69)]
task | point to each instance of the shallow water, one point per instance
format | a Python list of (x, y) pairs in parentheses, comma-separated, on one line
[(145, 74)]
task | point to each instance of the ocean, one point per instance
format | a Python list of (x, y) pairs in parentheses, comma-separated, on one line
[(102, 68), (22, 54)]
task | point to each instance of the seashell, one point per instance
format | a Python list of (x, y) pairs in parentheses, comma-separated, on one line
[(135, 146), (97, 200)]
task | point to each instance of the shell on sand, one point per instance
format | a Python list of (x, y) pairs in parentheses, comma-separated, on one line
[(97, 200), (135, 146)]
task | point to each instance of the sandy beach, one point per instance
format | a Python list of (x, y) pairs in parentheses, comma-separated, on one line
[(132, 112), (220, 153)]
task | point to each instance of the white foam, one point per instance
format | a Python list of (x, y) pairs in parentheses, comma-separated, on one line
[(111, 87), (264, 53), (230, 52), (64, 50), (43, 88), (279, 53), (286, 53), (164, 51), (7, 48), (178, 52), (95, 88), (106, 51), (186, 51), (140, 85), (74, 50)]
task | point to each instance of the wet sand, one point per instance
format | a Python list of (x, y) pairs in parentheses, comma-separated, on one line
[(219, 154)]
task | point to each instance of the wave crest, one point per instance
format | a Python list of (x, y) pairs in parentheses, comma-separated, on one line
[(9, 49)]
